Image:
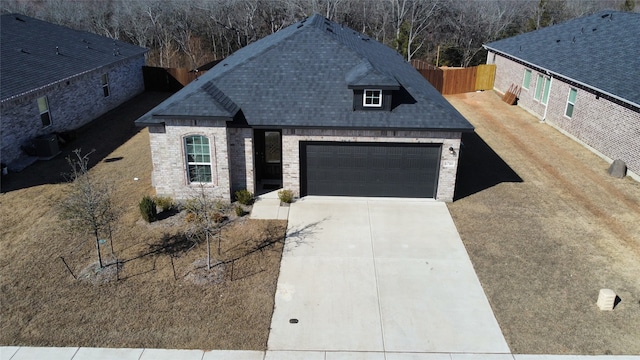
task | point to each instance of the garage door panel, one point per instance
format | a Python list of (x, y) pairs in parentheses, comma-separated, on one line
[(369, 169)]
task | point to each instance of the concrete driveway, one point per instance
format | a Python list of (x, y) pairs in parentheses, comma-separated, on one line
[(382, 276)]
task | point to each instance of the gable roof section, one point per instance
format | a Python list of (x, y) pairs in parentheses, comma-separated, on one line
[(601, 51), (35, 53), (301, 75)]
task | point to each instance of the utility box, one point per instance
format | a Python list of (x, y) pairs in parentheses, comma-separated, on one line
[(606, 299), (46, 146)]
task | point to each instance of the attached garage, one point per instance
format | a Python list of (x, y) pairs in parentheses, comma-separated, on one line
[(369, 169)]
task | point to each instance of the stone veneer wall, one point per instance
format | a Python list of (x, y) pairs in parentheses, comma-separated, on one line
[(608, 129), (72, 103), (169, 175), (448, 163)]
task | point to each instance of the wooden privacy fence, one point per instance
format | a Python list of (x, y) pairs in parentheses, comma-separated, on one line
[(168, 79), (457, 80)]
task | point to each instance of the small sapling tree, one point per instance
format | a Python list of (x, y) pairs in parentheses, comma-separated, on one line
[(206, 219), (87, 206)]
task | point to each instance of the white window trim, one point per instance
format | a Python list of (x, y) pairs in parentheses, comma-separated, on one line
[(48, 111), (364, 98), (105, 84), (188, 163), (546, 90), (527, 71), (539, 84), (572, 103)]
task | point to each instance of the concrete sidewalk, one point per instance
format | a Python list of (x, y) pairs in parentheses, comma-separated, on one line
[(379, 275), (267, 207), (74, 353)]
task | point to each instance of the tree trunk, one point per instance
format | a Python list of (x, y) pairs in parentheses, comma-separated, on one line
[(98, 248), (208, 252)]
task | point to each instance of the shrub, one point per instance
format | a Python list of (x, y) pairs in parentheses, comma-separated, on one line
[(148, 209), (165, 203), (244, 197), (239, 211), (191, 217), (286, 196), (218, 217)]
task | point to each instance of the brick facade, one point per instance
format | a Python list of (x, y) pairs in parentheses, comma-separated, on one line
[(234, 161), (72, 103), (448, 163), (169, 175), (608, 129), (241, 155)]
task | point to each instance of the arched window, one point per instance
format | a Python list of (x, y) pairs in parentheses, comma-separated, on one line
[(198, 158)]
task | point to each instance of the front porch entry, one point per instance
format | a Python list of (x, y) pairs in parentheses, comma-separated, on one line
[(268, 157)]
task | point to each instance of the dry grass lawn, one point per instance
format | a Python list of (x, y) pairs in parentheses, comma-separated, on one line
[(546, 228), (41, 304)]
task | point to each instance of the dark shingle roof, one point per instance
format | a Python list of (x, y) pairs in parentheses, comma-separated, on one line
[(28, 57), (601, 51), (300, 77)]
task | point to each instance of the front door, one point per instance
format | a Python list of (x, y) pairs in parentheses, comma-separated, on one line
[(268, 148)]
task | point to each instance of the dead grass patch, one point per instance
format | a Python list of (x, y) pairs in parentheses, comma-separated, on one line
[(543, 247), (164, 298)]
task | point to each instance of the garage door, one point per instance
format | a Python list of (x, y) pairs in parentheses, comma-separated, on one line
[(369, 169)]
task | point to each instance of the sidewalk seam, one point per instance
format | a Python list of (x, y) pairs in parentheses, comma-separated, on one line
[(375, 273)]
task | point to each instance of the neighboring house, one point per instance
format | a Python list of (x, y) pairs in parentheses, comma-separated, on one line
[(582, 77), (56, 79), (316, 108)]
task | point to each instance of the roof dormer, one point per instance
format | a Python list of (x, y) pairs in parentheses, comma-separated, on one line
[(372, 89)]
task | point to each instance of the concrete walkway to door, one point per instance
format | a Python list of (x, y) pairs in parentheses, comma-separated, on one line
[(379, 275)]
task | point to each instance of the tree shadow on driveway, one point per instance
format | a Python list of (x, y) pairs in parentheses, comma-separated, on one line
[(480, 168)]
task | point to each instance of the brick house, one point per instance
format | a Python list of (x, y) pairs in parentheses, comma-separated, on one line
[(56, 79), (316, 108), (581, 77)]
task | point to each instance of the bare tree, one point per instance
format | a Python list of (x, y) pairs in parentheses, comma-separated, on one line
[(205, 220), (87, 206), (189, 34)]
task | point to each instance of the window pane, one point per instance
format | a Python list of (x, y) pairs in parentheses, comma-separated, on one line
[(527, 79), (538, 88), (372, 98), (42, 104), (272, 146), (547, 87), (569, 111), (105, 79), (198, 158), (199, 173), (572, 95), (105, 91), (46, 120)]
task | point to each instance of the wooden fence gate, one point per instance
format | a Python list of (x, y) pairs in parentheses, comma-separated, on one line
[(457, 80)]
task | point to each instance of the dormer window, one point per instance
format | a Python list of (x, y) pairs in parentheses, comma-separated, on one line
[(372, 98)]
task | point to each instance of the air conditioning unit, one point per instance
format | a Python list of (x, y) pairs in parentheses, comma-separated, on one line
[(46, 146)]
